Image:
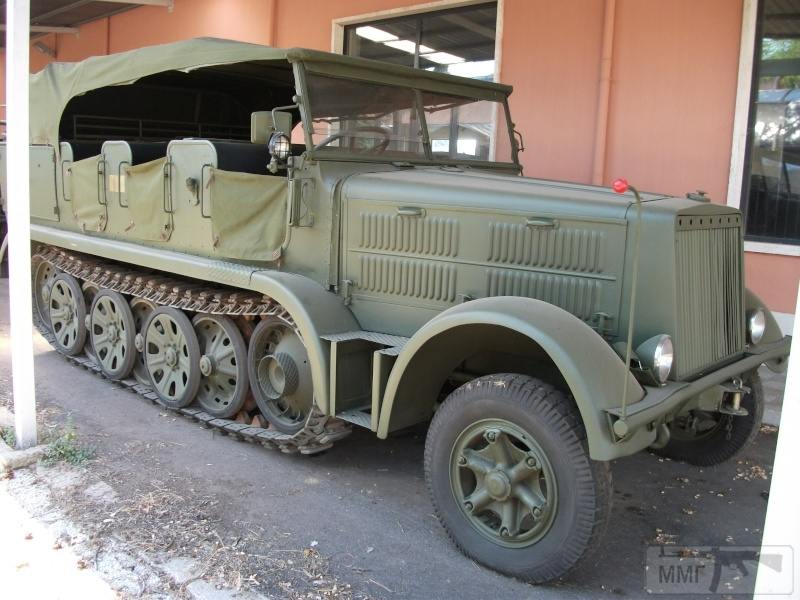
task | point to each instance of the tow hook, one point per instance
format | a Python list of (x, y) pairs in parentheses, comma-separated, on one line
[(732, 405)]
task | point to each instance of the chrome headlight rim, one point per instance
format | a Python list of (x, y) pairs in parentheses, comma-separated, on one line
[(756, 325), (280, 146), (657, 354)]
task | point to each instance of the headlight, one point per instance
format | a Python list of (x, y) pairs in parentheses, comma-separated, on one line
[(657, 355), (756, 325), (280, 146)]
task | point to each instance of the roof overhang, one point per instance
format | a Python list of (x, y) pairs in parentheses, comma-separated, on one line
[(65, 16)]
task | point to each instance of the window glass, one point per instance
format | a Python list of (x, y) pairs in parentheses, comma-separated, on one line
[(459, 41), (465, 129), (358, 117), (772, 186)]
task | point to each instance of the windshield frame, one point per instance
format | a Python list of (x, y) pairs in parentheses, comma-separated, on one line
[(301, 73)]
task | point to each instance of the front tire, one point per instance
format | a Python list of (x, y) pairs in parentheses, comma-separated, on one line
[(509, 474), (724, 436)]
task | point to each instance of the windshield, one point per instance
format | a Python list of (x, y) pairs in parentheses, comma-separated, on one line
[(377, 120)]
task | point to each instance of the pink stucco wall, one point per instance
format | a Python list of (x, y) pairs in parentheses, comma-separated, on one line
[(673, 83)]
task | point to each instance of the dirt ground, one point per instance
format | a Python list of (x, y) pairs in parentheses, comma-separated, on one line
[(168, 509)]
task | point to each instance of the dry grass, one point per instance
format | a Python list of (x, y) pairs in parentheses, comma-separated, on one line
[(163, 522)]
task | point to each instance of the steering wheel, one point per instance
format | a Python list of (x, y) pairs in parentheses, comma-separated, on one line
[(378, 148)]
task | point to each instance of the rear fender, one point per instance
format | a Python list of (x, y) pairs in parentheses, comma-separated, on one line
[(589, 366)]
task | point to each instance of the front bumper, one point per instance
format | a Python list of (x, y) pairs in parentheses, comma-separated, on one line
[(660, 401)]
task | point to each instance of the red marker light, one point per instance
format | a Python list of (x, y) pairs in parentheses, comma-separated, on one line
[(620, 185)]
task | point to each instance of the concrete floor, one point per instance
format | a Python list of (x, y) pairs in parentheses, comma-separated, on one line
[(364, 502)]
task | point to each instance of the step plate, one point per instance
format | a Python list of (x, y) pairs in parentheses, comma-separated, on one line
[(356, 417), (370, 336)]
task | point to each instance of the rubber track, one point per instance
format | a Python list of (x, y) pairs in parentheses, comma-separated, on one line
[(320, 431)]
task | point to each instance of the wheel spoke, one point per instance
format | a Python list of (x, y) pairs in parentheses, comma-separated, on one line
[(57, 313), (63, 333), (227, 370), (479, 499), (156, 336), (523, 469), (156, 360), (528, 497), (500, 451), (119, 354), (163, 385), (226, 352), (100, 318), (510, 517), (477, 462), (218, 337)]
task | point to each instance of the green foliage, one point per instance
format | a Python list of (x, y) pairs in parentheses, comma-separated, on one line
[(66, 448), (7, 435), (783, 49), (780, 49)]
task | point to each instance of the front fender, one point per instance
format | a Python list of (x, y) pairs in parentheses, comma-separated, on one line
[(592, 370)]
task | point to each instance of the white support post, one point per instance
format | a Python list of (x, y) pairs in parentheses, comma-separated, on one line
[(782, 526), (19, 230)]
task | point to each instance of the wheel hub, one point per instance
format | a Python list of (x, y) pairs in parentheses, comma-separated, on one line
[(207, 365), (498, 485), (504, 483), (171, 357), (278, 375), (113, 333)]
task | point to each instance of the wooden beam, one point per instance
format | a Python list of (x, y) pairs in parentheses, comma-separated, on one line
[(165, 3), (47, 29)]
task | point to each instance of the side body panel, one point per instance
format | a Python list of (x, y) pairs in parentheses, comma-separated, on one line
[(407, 258)]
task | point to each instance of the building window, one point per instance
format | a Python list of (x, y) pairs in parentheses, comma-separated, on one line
[(459, 41), (771, 194)]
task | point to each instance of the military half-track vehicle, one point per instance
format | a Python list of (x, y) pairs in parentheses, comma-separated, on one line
[(286, 244)]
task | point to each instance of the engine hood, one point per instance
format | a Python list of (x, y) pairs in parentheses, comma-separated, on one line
[(479, 189)]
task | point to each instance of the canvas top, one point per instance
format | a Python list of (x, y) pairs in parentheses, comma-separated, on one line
[(54, 86)]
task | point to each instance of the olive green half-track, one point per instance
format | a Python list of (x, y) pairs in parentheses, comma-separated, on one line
[(284, 244)]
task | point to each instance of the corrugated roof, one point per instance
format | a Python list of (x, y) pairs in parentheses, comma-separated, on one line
[(68, 13)]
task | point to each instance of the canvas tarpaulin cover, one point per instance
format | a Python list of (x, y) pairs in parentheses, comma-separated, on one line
[(86, 194), (54, 86), (148, 202), (248, 214)]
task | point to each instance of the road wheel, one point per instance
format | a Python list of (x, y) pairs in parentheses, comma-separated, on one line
[(509, 474), (172, 357), (90, 290), (67, 314), (43, 276), (141, 309), (709, 438), (280, 375), (223, 363), (112, 333)]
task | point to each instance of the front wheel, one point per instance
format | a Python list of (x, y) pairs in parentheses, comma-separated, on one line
[(508, 472), (705, 439)]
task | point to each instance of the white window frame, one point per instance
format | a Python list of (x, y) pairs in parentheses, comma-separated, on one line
[(337, 33), (741, 122)]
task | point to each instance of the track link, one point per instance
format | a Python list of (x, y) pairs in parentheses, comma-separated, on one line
[(320, 431)]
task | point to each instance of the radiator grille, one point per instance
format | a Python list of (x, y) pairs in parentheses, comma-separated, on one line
[(710, 309)]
